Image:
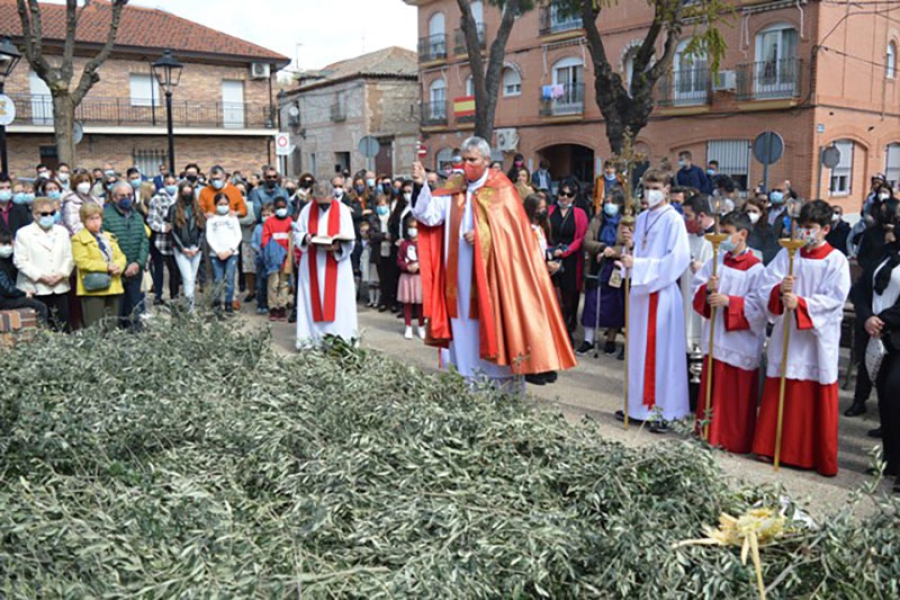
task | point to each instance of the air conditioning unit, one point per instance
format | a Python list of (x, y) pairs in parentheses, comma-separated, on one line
[(725, 81), (259, 71), (507, 140)]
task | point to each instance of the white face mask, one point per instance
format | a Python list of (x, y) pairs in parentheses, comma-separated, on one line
[(754, 217), (654, 197), (83, 188), (883, 196), (407, 196)]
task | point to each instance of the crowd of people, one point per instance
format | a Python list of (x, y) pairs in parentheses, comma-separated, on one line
[(90, 247)]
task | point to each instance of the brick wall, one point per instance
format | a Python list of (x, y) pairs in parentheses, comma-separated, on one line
[(16, 326)]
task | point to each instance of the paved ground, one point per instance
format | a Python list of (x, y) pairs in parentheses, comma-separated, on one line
[(594, 389)]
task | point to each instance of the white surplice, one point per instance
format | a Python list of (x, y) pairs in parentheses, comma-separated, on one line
[(701, 251), (465, 348), (345, 324), (823, 284), (658, 266)]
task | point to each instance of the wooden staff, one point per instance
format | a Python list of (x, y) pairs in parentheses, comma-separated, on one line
[(627, 328), (716, 238), (791, 244)]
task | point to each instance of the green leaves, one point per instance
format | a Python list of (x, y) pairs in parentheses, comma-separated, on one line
[(192, 461)]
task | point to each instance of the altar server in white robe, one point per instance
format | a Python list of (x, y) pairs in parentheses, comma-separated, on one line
[(657, 364), (811, 303), (326, 291)]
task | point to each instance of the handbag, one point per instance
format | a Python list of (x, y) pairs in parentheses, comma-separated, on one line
[(96, 281), (875, 353)]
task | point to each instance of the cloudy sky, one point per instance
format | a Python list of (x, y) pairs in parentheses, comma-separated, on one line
[(328, 30)]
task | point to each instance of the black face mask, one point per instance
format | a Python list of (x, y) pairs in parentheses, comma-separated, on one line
[(291, 191), (541, 214), (191, 178), (306, 184), (187, 197), (271, 183)]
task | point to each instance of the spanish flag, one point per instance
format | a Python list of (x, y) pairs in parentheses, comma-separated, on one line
[(464, 106)]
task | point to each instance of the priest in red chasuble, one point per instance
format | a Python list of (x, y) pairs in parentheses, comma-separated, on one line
[(487, 295), (326, 292)]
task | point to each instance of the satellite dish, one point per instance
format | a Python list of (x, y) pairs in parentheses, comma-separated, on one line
[(294, 111)]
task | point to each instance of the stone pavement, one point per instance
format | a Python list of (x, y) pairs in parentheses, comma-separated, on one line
[(594, 389)]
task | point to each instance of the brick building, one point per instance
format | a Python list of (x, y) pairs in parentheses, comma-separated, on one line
[(819, 72), (330, 110), (224, 109)]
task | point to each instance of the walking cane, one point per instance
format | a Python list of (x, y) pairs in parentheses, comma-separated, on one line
[(715, 238), (627, 220), (597, 317), (791, 244)]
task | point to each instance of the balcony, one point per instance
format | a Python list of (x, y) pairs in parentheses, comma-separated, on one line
[(433, 47), (553, 20), (769, 80), (434, 114), (136, 112), (685, 87), (338, 112), (460, 48), (562, 100)]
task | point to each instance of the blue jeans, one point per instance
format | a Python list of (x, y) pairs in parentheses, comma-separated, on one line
[(132, 305), (262, 288), (224, 269)]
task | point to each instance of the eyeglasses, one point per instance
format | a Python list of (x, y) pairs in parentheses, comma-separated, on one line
[(48, 214), (271, 177), (567, 194)]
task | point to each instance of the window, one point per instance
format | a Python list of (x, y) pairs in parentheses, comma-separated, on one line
[(892, 164), (691, 76), (148, 161), (512, 82), (442, 160), (437, 40), (233, 103), (478, 11), (144, 90), (470, 86), (567, 91), (891, 66), (733, 157), (312, 163), (41, 101), (842, 174), (438, 99), (777, 73)]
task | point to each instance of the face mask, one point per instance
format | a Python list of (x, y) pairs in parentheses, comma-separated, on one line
[(271, 183), (125, 203), (609, 176), (306, 184), (682, 164), (370, 183), (413, 233), (727, 245), (338, 193), (218, 184), (611, 209), (63, 177), (382, 210), (291, 191), (6, 251), (386, 188), (693, 227), (187, 198), (407, 196), (754, 217), (57, 217), (222, 209), (46, 222), (654, 197), (360, 189), (171, 190), (135, 183), (109, 173), (541, 214), (5, 196), (19, 198), (884, 196), (473, 172), (83, 188), (519, 163), (808, 235), (776, 197), (54, 195), (192, 178), (710, 172), (281, 213), (835, 218), (564, 204)]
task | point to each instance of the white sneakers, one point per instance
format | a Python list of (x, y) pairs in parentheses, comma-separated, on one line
[(408, 335), (421, 332)]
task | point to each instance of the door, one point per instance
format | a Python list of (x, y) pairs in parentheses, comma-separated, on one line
[(776, 66), (691, 77), (232, 104), (384, 160), (569, 73), (41, 101)]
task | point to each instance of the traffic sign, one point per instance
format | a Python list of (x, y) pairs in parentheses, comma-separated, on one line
[(831, 157), (7, 110), (283, 144), (421, 150), (369, 147), (768, 147)]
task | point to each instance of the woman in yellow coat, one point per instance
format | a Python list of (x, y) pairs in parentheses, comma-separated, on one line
[(100, 264)]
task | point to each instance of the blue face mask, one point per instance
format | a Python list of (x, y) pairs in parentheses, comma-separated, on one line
[(611, 209), (5, 196), (609, 176), (126, 203), (281, 213), (135, 183), (19, 198), (222, 209), (727, 245), (29, 198), (710, 172), (47, 222), (776, 197), (218, 184), (382, 210), (171, 189), (370, 183), (387, 188), (54, 195), (6, 251)]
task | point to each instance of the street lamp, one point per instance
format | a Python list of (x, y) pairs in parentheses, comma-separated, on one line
[(9, 58), (167, 71)]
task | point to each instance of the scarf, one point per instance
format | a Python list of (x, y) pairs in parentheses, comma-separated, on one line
[(883, 276)]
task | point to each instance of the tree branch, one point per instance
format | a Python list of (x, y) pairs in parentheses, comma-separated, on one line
[(30, 16), (69, 47), (89, 75)]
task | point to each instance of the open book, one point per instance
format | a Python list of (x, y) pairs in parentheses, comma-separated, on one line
[(325, 240)]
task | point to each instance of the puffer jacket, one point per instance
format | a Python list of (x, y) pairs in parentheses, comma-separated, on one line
[(89, 259)]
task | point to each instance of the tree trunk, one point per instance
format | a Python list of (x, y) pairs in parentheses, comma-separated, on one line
[(63, 127)]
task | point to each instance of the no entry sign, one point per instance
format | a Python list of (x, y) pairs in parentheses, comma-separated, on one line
[(283, 144)]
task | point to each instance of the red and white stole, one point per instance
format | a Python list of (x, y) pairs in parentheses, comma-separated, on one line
[(331, 267)]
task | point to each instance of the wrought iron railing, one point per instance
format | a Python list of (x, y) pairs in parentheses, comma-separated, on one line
[(769, 80), (460, 47), (554, 19), (433, 47), (562, 99), (685, 87), (434, 113), (131, 112)]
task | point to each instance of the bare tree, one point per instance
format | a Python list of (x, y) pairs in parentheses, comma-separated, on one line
[(486, 78), (627, 108), (58, 72)]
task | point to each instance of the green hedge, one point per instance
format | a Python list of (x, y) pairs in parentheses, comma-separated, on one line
[(192, 461)]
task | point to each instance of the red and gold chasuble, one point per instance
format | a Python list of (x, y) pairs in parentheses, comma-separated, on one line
[(326, 314)]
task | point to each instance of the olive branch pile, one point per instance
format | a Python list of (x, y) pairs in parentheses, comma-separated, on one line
[(193, 461)]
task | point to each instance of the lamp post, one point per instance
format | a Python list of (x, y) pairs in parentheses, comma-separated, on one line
[(9, 58), (167, 71)]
